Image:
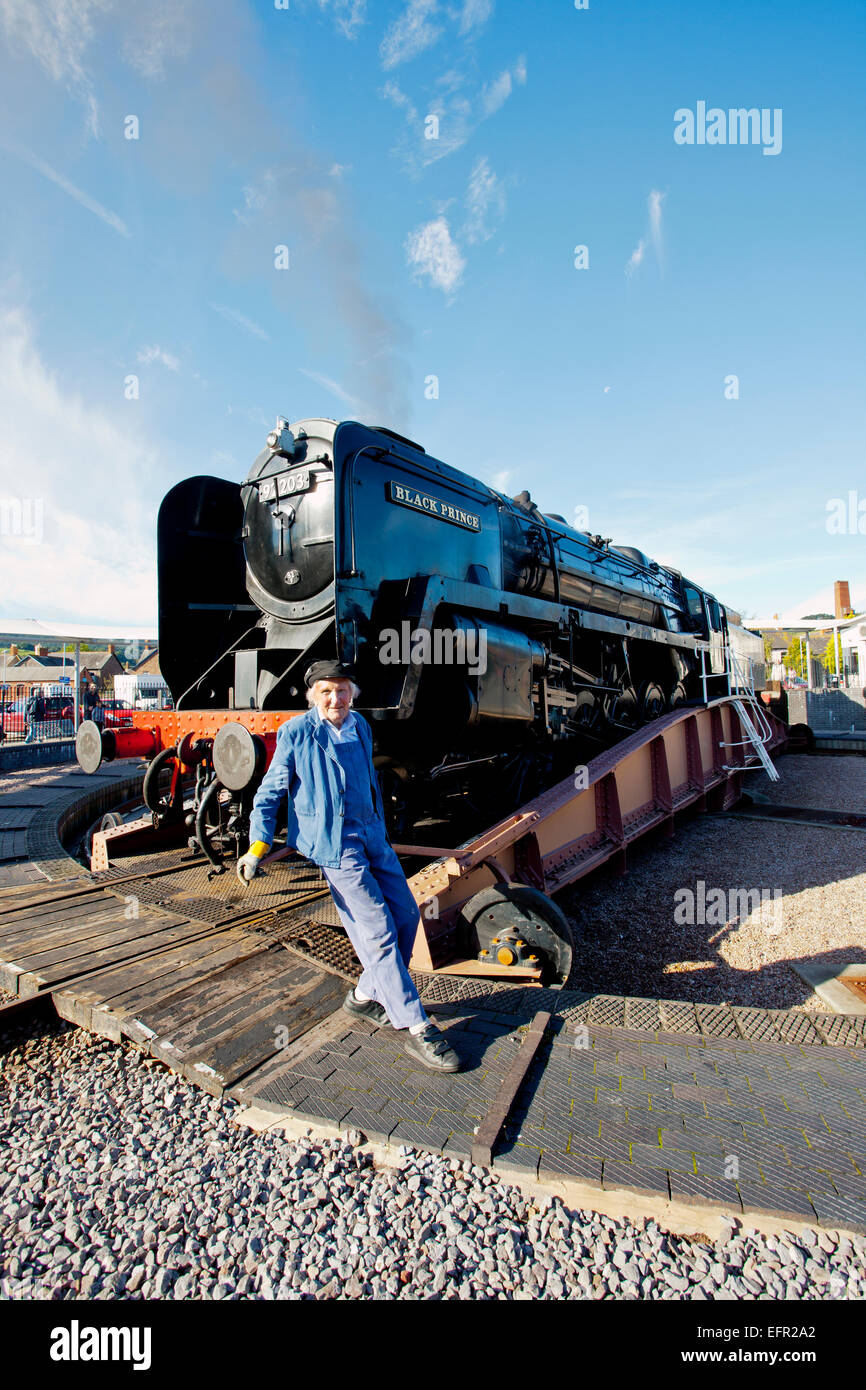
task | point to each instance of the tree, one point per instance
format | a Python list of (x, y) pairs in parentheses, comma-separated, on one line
[(795, 657), (829, 657)]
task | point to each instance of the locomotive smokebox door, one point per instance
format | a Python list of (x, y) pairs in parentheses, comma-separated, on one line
[(510, 925)]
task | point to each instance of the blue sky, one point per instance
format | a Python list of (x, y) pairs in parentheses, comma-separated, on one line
[(409, 258)]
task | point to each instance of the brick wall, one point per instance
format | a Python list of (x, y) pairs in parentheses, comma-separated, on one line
[(831, 710)]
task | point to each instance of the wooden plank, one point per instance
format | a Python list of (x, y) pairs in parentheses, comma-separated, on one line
[(156, 974), (64, 939), (74, 945), (231, 1013), (53, 976), (38, 919), (42, 924), (201, 1000), (44, 894), (232, 950), (488, 1131), (226, 1060), (155, 979), (49, 886), (43, 903), (10, 977)]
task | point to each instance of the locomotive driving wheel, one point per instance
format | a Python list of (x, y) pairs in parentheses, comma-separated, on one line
[(586, 716), (511, 924), (679, 695), (651, 702), (622, 709)]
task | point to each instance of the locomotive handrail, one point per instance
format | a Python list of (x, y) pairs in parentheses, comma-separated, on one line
[(350, 480)]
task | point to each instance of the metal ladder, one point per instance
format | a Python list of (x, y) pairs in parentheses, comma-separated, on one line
[(758, 731), (754, 738)]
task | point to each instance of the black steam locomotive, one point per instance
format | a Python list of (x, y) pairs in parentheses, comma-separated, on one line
[(494, 644)]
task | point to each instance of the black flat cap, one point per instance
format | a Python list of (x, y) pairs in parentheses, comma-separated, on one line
[(327, 671)]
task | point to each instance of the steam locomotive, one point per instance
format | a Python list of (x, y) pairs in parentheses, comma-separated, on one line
[(487, 635), (495, 645)]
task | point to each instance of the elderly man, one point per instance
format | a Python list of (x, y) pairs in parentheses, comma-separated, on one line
[(323, 762)]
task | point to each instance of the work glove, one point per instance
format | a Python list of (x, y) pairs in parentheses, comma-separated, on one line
[(248, 866)]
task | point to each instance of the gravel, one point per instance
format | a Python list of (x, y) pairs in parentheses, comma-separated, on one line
[(816, 875), (121, 1180), (825, 783)]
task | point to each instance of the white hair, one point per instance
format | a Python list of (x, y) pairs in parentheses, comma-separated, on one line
[(311, 690)]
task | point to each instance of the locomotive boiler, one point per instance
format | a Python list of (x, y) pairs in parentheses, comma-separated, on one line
[(494, 644)]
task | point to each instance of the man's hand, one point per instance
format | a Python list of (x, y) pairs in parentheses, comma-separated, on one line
[(248, 866)]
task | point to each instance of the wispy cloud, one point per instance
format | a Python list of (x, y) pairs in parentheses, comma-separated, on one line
[(148, 355), (497, 93), (475, 13), (411, 34), (393, 93), (348, 15), (110, 218), (636, 257), (335, 389), (654, 233), (58, 33), (157, 33), (435, 254), (432, 253), (485, 203), (460, 107), (654, 204), (240, 321), (58, 37)]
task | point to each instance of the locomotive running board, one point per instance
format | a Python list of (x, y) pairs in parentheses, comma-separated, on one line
[(689, 758)]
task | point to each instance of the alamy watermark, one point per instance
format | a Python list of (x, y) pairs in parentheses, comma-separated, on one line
[(736, 126), (438, 646), (23, 519), (846, 516), (714, 907), (77, 1343)]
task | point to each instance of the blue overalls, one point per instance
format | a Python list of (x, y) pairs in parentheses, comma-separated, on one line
[(372, 896)]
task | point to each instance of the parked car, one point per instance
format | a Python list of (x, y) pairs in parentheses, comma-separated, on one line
[(12, 717), (57, 722), (117, 714), (58, 707)]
